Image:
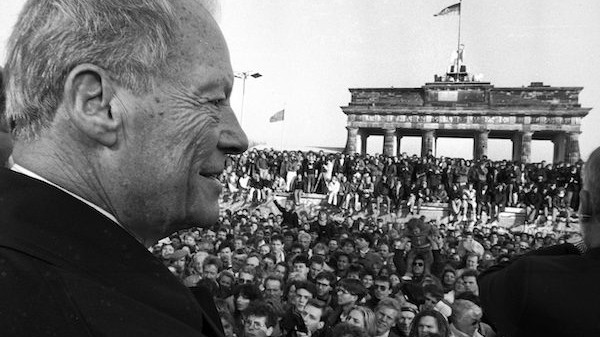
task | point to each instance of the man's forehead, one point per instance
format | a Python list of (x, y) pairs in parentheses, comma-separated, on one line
[(200, 38), (253, 318)]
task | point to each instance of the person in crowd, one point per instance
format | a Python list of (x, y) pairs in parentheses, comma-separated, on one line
[(226, 323), (405, 318), (314, 316), (465, 319), (432, 295), (325, 283), (290, 217), (259, 320), (363, 318), (324, 228), (333, 188), (429, 323), (469, 199), (349, 293), (469, 280), (273, 294), (382, 289), (366, 257), (317, 264), (292, 321), (386, 314), (301, 267)]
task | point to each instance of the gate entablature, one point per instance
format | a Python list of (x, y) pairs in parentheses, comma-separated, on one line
[(475, 108)]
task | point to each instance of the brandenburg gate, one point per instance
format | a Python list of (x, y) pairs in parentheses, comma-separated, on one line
[(456, 106)]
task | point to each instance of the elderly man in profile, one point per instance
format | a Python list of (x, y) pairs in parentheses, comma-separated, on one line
[(121, 119), (552, 291)]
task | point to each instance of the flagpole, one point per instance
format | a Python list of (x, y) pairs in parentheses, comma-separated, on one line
[(458, 45)]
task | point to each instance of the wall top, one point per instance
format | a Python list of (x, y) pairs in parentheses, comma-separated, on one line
[(466, 94)]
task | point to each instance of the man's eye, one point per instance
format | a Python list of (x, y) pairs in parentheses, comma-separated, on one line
[(218, 102)]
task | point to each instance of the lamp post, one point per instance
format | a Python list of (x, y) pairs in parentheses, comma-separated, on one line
[(244, 75)]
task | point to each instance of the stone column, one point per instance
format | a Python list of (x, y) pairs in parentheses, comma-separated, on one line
[(481, 144), (427, 142), (388, 142), (573, 154), (560, 147), (351, 140), (526, 147), (517, 140), (398, 139), (363, 142)]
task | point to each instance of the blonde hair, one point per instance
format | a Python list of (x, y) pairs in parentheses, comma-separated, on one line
[(369, 319)]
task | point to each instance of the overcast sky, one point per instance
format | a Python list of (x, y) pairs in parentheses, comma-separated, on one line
[(311, 51)]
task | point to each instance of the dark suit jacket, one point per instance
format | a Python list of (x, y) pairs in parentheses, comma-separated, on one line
[(553, 291), (67, 270)]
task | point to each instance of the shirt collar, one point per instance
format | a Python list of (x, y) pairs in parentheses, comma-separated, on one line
[(18, 168)]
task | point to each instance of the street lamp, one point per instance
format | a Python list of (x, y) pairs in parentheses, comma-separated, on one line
[(244, 75)]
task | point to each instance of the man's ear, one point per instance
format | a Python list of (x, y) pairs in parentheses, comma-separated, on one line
[(269, 331), (88, 95)]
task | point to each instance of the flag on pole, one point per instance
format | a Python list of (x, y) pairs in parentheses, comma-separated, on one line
[(277, 117), (449, 10)]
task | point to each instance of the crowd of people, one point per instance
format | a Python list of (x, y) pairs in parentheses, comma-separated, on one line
[(286, 274), (383, 184)]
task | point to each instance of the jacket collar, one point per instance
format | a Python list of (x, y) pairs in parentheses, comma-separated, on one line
[(48, 224)]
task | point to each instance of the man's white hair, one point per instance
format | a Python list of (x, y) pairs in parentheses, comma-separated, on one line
[(464, 308), (130, 39)]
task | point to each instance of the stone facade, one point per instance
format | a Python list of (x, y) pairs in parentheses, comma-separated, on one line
[(468, 110)]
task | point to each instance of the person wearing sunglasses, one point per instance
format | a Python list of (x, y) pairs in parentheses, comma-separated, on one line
[(382, 288)]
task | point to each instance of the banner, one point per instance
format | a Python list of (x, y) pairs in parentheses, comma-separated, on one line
[(449, 10), (277, 117)]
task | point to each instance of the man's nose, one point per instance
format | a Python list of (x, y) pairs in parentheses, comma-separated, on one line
[(232, 139)]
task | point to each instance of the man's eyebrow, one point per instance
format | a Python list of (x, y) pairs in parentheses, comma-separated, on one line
[(213, 87)]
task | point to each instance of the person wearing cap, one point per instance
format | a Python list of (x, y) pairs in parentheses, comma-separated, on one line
[(570, 272), (405, 318), (121, 122)]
